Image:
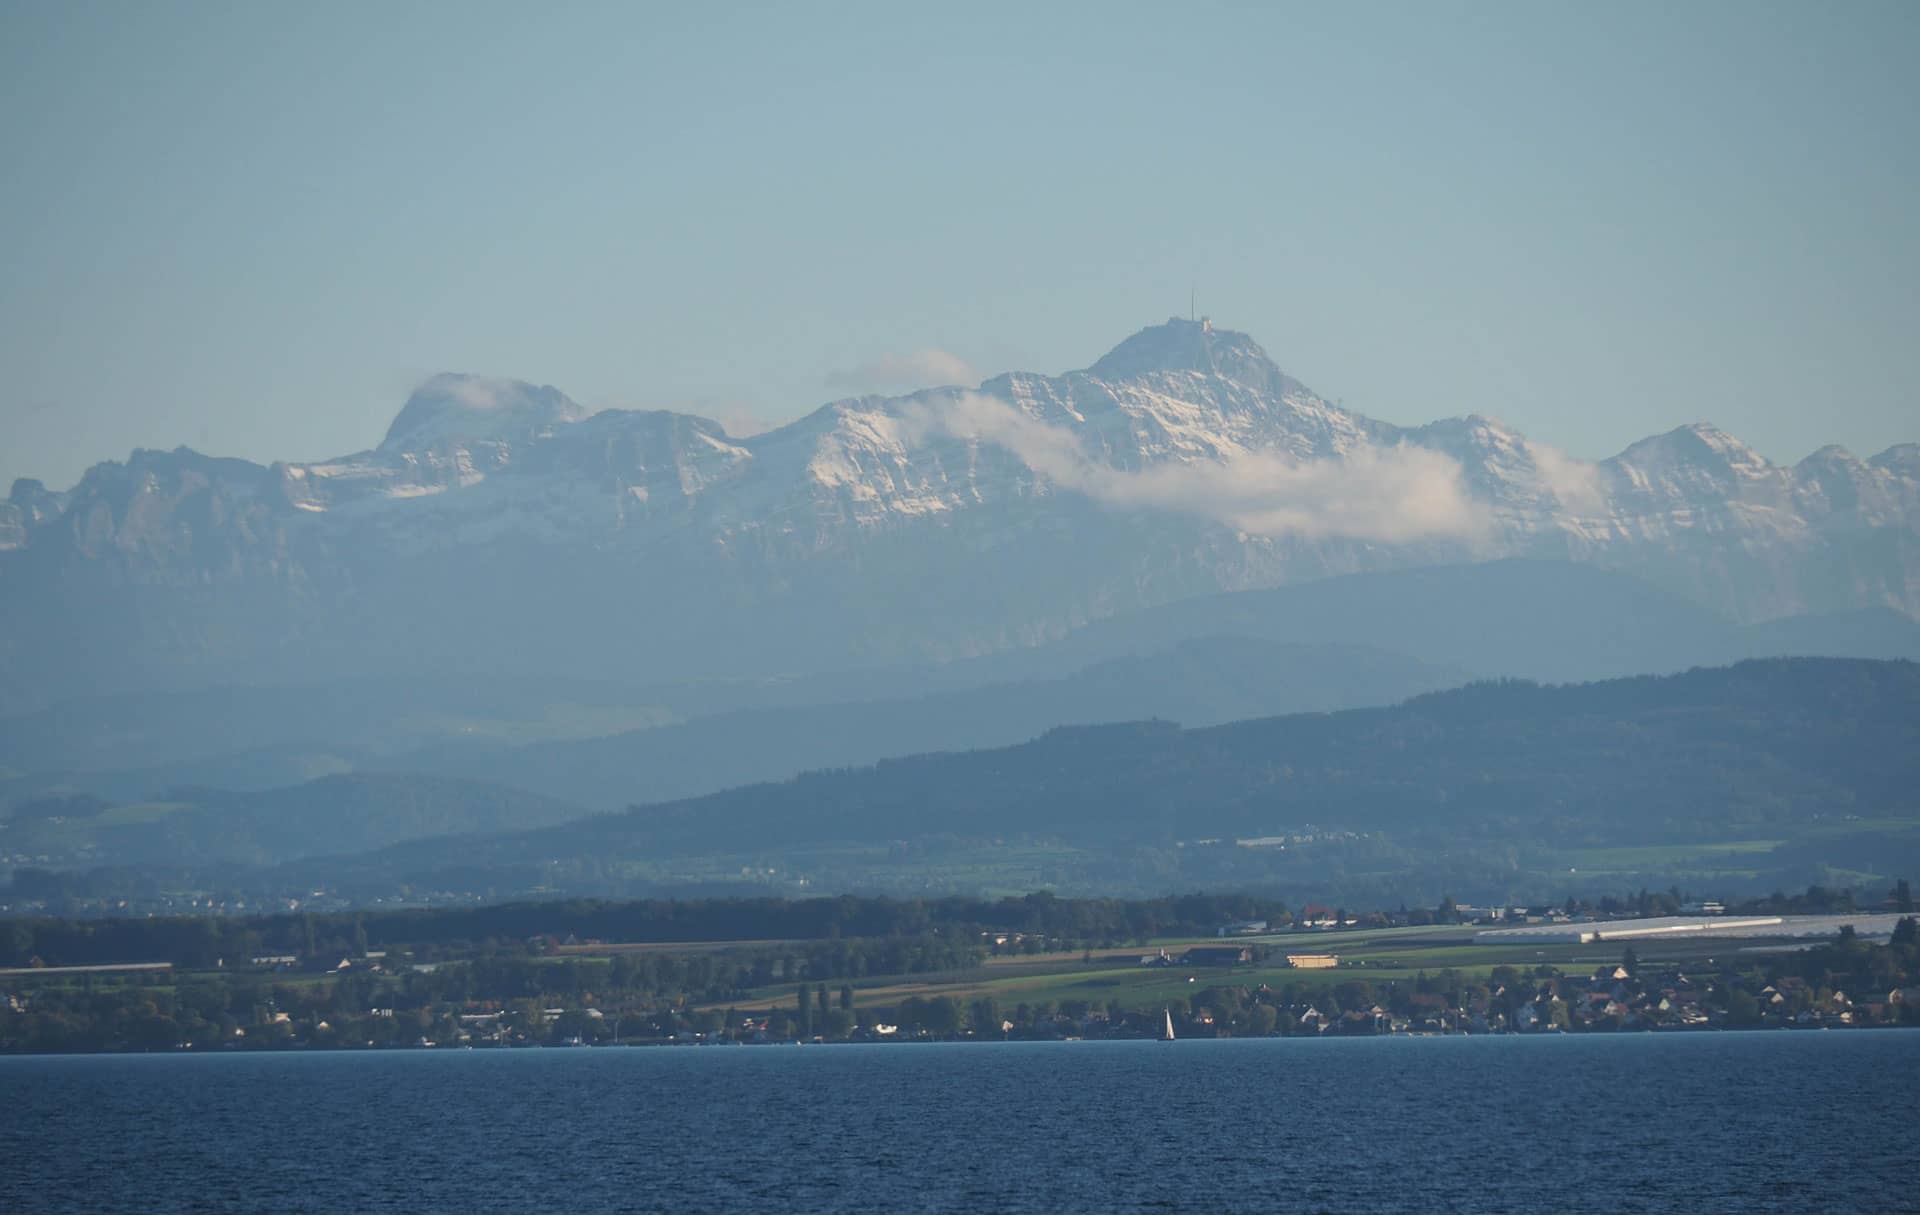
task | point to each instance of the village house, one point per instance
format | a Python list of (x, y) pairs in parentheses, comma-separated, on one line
[(1318, 915)]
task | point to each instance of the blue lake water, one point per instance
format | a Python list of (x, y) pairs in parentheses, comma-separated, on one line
[(1733, 1122)]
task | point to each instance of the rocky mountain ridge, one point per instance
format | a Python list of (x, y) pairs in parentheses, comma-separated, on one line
[(498, 522)]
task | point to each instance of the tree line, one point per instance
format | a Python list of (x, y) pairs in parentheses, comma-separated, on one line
[(204, 941)]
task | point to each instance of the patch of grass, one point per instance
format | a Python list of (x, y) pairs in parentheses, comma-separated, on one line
[(138, 812), (593, 951), (1133, 986), (1642, 858)]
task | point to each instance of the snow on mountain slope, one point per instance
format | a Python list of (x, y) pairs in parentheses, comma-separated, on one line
[(942, 523), (452, 409)]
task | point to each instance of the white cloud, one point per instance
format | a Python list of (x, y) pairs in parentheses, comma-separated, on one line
[(902, 373), (477, 391), (1395, 494), (1576, 483)]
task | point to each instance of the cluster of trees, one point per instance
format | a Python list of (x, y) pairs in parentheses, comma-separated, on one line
[(201, 941), (1822, 900), (1851, 964)]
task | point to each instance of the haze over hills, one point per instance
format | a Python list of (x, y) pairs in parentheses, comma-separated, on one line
[(1780, 771), (1767, 773), (502, 528), (513, 611), (1797, 740), (1552, 621), (607, 746), (1360, 640), (211, 828), (1199, 682)]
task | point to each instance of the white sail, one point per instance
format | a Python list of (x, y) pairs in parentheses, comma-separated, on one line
[(1168, 1035)]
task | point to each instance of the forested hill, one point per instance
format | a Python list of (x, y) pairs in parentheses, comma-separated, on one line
[(1765, 744), (324, 817)]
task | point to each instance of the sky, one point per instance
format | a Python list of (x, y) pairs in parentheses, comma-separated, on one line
[(253, 228)]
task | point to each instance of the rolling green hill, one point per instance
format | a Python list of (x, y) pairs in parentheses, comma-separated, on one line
[(1765, 771)]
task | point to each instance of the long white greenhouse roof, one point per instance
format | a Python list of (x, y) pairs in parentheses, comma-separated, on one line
[(1798, 926)]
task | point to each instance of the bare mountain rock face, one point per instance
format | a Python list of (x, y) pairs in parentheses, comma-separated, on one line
[(502, 527)]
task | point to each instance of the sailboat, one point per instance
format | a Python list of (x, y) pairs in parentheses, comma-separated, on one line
[(1166, 1035)]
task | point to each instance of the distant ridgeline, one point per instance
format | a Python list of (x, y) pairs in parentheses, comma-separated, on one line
[(1761, 744), (1803, 763), (952, 522), (1764, 775)]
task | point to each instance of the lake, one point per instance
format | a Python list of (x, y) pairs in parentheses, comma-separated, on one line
[(1712, 1121)]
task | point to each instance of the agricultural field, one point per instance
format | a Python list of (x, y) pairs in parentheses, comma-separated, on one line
[(1727, 858), (1105, 975)]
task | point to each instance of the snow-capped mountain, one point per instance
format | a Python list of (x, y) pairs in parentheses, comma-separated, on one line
[(500, 525)]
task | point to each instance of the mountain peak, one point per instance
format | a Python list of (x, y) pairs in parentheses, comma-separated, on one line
[(1188, 345), (1700, 443), (1832, 455), (1903, 458), (452, 406)]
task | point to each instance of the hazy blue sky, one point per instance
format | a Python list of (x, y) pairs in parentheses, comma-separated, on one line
[(253, 228)]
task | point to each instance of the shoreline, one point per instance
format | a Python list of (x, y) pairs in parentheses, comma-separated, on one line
[(530, 1047)]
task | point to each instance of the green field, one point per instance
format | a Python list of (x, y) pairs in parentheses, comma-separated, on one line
[(1116, 974), (139, 812), (1728, 860)]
